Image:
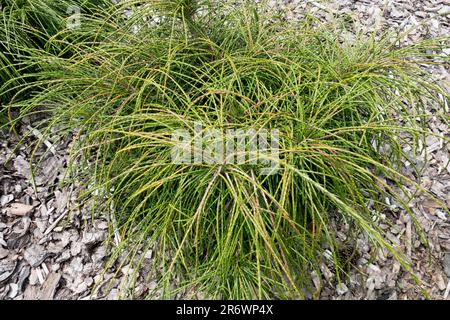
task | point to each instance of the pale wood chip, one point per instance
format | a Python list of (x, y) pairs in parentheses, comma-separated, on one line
[(48, 289)]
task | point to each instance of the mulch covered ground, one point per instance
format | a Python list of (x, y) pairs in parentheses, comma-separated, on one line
[(52, 246)]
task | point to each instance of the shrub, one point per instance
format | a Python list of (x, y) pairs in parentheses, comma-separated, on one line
[(343, 108), (28, 25)]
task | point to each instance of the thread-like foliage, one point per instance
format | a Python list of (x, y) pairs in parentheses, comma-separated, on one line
[(343, 108), (30, 24)]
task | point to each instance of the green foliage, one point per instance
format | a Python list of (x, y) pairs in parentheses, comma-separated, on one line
[(343, 108), (27, 25)]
